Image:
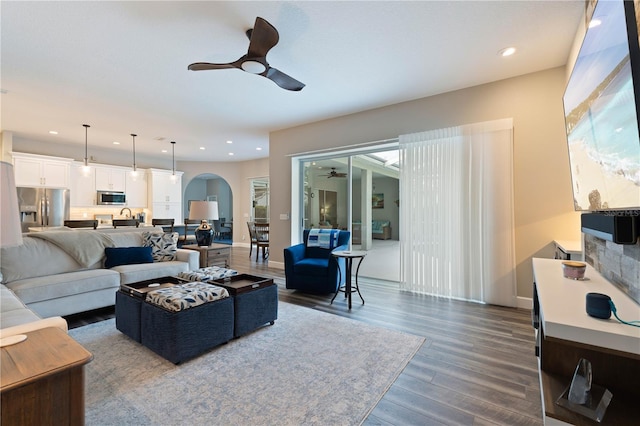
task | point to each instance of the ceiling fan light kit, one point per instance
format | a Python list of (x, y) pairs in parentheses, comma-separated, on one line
[(262, 38)]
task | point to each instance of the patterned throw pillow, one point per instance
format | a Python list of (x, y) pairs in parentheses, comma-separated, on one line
[(163, 245)]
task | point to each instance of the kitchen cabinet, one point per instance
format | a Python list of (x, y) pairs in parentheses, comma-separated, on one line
[(136, 189), (110, 178), (41, 171), (83, 186), (164, 192)]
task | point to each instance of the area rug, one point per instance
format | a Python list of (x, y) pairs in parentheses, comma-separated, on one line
[(310, 368)]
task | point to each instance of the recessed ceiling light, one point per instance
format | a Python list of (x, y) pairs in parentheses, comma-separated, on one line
[(53, 132), (164, 150), (231, 153), (258, 149), (229, 141), (507, 51), (202, 148), (116, 143), (594, 22)]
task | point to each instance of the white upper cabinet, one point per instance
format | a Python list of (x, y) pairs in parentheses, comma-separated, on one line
[(83, 186), (164, 191), (109, 178), (136, 188), (41, 171), (164, 187)]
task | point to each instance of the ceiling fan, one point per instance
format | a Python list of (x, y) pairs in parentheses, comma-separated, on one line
[(262, 38), (334, 173)]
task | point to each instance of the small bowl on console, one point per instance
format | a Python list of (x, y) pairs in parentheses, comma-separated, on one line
[(573, 270)]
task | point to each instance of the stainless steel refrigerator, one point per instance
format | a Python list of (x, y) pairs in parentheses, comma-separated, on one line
[(43, 207)]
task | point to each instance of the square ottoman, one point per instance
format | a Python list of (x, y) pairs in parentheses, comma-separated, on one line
[(255, 301), (183, 321)]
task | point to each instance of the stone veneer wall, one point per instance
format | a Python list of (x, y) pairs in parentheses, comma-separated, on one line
[(619, 263)]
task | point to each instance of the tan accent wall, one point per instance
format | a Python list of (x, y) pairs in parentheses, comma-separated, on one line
[(543, 197), (238, 175)]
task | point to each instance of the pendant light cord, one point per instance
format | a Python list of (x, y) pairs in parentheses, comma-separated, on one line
[(134, 151), (173, 158), (86, 155)]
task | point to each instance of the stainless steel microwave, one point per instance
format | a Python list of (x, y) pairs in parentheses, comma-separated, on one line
[(112, 198)]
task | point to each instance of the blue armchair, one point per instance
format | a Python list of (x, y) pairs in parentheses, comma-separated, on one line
[(312, 269)]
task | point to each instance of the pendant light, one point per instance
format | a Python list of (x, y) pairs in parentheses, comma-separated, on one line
[(135, 170), (173, 160), (86, 156)]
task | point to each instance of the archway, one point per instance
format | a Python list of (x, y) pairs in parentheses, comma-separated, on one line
[(211, 187)]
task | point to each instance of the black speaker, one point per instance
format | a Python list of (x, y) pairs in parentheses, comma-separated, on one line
[(598, 305), (620, 229)]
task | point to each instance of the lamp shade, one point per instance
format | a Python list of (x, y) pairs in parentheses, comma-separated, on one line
[(207, 210), (10, 228)]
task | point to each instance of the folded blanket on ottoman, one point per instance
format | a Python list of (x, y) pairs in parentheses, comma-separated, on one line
[(207, 274), (185, 296)]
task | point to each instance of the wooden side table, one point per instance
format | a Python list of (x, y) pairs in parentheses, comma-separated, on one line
[(42, 379), (212, 255)]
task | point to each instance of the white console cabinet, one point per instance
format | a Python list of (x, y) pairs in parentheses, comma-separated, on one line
[(41, 171), (565, 334)]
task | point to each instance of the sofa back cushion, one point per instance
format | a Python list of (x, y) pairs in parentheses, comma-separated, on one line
[(377, 225), (34, 258)]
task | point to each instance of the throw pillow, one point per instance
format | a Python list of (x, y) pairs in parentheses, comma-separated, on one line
[(163, 245), (127, 256)]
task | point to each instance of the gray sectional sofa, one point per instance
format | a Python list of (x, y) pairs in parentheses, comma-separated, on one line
[(57, 275)]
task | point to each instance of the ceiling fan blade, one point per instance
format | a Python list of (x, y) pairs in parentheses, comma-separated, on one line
[(203, 66), (283, 80), (262, 38)]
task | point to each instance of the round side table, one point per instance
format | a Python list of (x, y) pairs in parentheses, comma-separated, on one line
[(349, 255)]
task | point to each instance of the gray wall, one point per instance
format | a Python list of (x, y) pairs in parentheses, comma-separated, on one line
[(543, 197)]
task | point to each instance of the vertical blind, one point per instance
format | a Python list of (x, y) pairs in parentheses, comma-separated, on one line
[(456, 227)]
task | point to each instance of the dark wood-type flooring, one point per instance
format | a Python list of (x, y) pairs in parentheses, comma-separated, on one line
[(476, 367)]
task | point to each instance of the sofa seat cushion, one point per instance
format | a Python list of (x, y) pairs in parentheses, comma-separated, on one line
[(18, 317), (149, 271), (312, 266), (12, 311), (185, 296), (40, 289)]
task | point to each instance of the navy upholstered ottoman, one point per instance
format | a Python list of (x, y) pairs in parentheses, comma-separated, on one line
[(129, 299), (186, 320), (255, 301)]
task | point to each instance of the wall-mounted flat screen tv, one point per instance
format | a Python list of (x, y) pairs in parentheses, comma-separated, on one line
[(601, 114)]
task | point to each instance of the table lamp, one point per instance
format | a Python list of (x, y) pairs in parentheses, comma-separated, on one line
[(205, 210)]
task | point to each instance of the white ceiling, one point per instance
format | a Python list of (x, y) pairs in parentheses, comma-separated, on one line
[(122, 66)]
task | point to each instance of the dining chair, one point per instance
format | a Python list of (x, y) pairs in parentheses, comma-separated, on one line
[(189, 236), (81, 223), (163, 222), (125, 222), (262, 239)]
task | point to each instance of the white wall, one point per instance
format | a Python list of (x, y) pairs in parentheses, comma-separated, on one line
[(543, 197)]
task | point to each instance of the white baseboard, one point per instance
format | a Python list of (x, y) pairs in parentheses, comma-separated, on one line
[(525, 302)]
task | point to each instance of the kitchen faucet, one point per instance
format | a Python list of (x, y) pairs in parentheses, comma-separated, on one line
[(126, 208)]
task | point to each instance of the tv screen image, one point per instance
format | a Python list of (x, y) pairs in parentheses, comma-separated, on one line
[(601, 116)]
